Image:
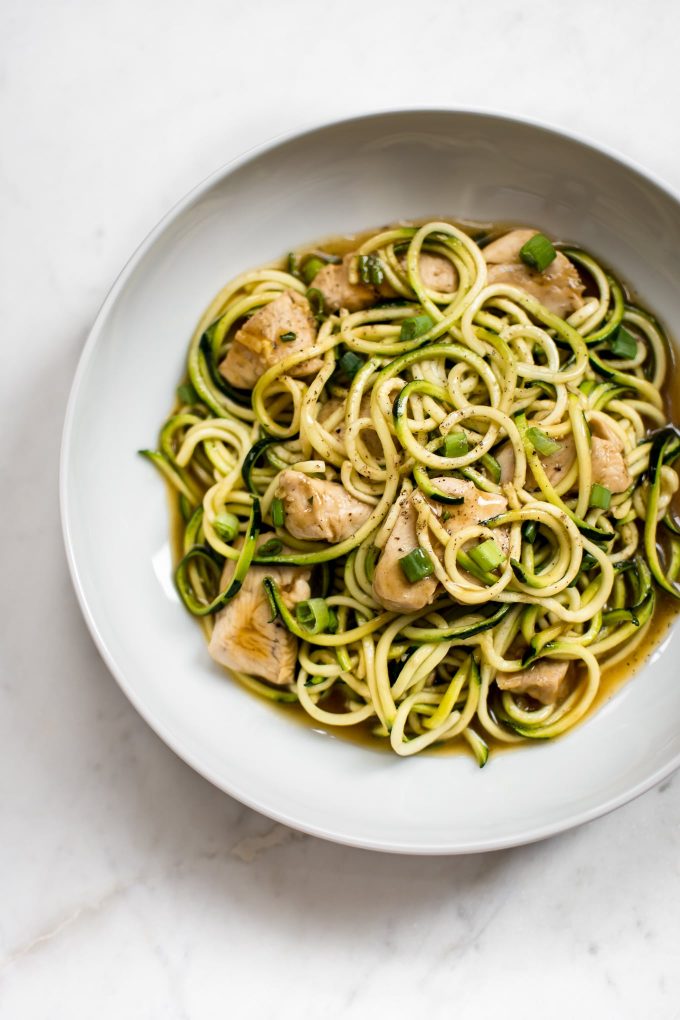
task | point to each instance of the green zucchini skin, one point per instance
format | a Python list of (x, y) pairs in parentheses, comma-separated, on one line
[(207, 555)]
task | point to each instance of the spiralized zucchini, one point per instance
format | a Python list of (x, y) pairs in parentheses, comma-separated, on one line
[(505, 378)]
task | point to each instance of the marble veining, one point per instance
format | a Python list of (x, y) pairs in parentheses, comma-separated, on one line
[(130, 887)]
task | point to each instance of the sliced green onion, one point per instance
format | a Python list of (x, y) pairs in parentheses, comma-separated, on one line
[(312, 681), (624, 345), (186, 394), (530, 531), (226, 526), (314, 615), (487, 555), (311, 267), (316, 301), (272, 547), (456, 444), (542, 442), (415, 326), (277, 512), (600, 496), (492, 466), (538, 252), (292, 264), (288, 337), (416, 565), (370, 270), (350, 363)]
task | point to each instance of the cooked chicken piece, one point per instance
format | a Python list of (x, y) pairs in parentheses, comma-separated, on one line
[(334, 283), (390, 586), (258, 344), (554, 465), (600, 427), (369, 436), (547, 681), (437, 273), (606, 455), (244, 637), (506, 461), (319, 510), (609, 465), (557, 464), (559, 287)]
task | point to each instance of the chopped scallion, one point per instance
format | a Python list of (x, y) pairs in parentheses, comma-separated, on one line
[(529, 531), (370, 270), (415, 326), (270, 548), (316, 301), (350, 363), (226, 526), (542, 442), (538, 252), (277, 512), (311, 267), (487, 555), (456, 444), (624, 344), (416, 565), (186, 394), (314, 615), (287, 337), (489, 462), (600, 496)]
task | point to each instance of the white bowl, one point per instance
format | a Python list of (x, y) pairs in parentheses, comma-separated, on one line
[(337, 179)]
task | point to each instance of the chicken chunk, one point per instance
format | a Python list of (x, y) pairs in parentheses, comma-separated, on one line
[(390, 586), (338, 292), (559, 286), (547, 681), (258, 344), (319, 510), (244, 637), (437, 273), (556, 465), (609, 466)]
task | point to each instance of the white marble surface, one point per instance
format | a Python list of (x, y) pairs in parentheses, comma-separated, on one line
[(130, 888)]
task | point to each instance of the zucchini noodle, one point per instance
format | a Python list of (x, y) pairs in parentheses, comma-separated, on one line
[(443, 487)]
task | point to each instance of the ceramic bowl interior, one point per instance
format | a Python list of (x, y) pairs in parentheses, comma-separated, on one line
[(338, 179)]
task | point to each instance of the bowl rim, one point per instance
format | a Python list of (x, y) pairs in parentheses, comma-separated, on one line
[(173, 740)]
